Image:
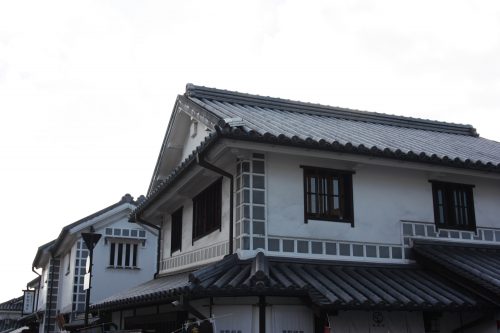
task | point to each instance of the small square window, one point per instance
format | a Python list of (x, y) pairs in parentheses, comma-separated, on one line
[(328, 195)]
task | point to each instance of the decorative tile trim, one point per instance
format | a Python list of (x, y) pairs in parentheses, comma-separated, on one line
[(125, 233), (250, 203), (204, 254), (414, 229), (334, 249), (79, 294)]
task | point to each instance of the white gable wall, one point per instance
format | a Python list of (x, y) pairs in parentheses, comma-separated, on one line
[(108, 281)]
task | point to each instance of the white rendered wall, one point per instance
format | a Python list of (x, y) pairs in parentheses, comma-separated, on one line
[(44, 286), (377, 322), (217, 237), (108, 281), (66, 281), (382, 196)]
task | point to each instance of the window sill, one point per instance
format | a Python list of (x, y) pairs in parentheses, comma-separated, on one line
[(322, 219), (206, 234), (124, 268), (457, 228)]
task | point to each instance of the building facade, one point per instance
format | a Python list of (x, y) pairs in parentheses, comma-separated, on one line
[(283, 216), (123, 257)]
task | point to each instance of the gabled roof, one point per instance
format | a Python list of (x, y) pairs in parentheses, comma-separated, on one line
[(41, 252), (296, 123), (476, 264), (291, 123), (54, 245), (327, 284), (126, 199)]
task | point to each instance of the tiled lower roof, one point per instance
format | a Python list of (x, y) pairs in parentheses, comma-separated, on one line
[(7, 325), (327, 284), (15, 304), (478, 264)]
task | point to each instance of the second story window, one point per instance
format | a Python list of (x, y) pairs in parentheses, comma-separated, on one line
[(328, 195), (453, 205), (123, 254), (207, 210), (176, 233)]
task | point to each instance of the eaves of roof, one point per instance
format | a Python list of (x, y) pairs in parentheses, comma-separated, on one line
[(127, 198), (327, 284), (180, 170), (41, 249), (229, 132)]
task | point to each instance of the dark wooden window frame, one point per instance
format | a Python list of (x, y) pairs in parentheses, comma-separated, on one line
[(345, 194), (125, 254), (447, 218), (207, 210), (176, 231)]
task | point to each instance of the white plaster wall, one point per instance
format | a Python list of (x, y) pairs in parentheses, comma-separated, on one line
[(294, 318), (451, 321), (214, 237), (108, 281), (363, 321), (42, 293), (191, 142), (66, 281), (234, 318), (383, 196)]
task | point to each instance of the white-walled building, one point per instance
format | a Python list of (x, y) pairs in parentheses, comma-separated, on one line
[(124, 256), (283, 216)]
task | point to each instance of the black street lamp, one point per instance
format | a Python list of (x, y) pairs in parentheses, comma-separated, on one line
[(90, 239)]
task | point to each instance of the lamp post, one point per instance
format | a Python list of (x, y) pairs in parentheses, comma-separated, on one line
[(90, 239)]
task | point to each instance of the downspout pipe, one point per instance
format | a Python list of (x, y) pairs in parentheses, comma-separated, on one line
[(158, 243), (200, 159)]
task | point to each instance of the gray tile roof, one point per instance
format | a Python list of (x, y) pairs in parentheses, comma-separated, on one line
[(126, 199), (159, 288), (327, 284), (369, 131), (15, 304), (476, 264)]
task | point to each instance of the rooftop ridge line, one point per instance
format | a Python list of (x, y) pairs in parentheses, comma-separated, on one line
[(200, 92)]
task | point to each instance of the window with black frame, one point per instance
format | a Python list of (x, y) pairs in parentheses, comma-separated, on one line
[(207, 210), (123, 254), (328, 195), (453, 205), (176, 232)]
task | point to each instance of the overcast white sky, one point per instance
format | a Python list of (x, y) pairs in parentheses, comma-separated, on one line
[(87, 88)]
